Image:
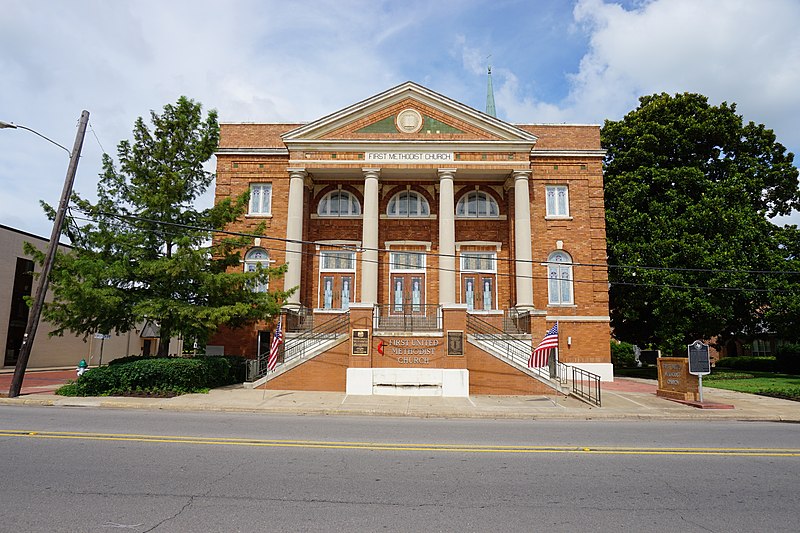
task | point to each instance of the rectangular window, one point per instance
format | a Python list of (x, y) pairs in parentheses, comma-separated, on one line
[(557, 200), (407, 261), (337, 260), (260, 199), (761, 348), (478, 262)]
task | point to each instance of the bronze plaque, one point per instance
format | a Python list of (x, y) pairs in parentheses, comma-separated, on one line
[(360, 342), (455, 343)]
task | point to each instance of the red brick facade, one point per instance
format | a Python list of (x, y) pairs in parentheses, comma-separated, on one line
[(484, 154)]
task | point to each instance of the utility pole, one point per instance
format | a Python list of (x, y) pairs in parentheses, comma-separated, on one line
[(44, 275)]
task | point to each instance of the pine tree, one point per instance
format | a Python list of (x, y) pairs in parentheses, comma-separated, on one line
[(147, 253)]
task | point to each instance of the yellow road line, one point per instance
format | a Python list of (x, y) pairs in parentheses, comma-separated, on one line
[(470, 448)]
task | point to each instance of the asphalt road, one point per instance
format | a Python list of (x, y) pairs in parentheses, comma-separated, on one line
[(103, 470)]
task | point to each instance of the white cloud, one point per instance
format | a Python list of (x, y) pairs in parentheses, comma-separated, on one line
[(296, 61), (736, 51)]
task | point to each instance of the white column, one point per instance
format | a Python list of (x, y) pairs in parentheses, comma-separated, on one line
[(522, 239), (369, 238), (447, 238), (294, 232)]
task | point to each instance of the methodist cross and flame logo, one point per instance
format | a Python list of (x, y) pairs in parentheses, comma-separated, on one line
[(380, 347)]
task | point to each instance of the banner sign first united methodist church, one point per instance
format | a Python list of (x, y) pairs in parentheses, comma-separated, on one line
[(409, 157)]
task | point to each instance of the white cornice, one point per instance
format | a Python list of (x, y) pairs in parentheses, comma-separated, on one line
[(361, 145), (568, 153), (252, 151), (425, 96), (509, 165), (567, 318)]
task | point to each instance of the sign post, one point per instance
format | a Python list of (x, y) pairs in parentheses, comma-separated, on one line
[(699, 362), (102, 337)]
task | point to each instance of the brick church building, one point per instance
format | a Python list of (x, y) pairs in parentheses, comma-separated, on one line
[(432, 246)]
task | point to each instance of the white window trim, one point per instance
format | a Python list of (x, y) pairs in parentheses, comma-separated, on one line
[(419, 195), (466, 253), (489, 197), (266, 213), (352, 196), (322, 268), (556, 215), (395, 270), (548, 265), (321, 272), (263, 262)]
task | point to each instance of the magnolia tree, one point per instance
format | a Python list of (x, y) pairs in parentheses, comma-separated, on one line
[(689, 190)]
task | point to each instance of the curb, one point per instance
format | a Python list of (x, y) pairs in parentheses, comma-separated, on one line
[(446, 413)]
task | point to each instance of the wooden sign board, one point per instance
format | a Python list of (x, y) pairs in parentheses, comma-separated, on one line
[(675, 381)]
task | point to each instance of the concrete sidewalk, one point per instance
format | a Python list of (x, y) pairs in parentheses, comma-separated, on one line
[(625, 398)]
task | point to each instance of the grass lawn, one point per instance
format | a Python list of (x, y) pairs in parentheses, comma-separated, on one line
[(763, 383)]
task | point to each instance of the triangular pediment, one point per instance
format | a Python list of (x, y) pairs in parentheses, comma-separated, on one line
[(410, 112)]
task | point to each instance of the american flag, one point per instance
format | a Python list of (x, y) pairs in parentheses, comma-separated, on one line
[(539, 355), (277, 340)]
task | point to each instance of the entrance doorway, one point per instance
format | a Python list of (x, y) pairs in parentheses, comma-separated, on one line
[(337, 291), (408, 294), (478, 292)]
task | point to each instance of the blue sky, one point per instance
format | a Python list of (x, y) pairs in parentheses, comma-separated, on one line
[(579, 61)]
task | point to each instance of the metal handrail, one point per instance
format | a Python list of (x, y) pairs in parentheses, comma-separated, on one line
[(586, 385), (515, 321), (408, 317), (296, 346), (508, 344), (298, 319)]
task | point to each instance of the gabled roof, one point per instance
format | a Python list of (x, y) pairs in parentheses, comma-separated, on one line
[(485, 128)]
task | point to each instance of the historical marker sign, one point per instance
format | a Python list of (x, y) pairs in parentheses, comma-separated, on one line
[(699, 360)]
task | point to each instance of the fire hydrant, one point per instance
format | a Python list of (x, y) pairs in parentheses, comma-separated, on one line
[(82, 367)]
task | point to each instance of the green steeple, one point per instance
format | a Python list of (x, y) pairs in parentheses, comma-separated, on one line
[(490, 96)]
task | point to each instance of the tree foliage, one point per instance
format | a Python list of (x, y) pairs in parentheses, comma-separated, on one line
[(689, 188), (147, 253)]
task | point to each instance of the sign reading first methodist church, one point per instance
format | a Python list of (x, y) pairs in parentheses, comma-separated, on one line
[(409, 157)]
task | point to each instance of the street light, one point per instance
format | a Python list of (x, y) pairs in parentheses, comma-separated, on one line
[(47, 266)]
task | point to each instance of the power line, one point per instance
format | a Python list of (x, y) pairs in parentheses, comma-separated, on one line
[(498, 274), (96, 138), (436, 254)]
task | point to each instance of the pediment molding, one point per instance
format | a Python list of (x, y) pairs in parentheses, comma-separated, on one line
[(460, 124)]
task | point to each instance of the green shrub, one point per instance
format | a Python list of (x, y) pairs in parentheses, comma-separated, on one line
[(622, 354), (747, 362), (164, 375), (132, 358), (787, 394), (787, 358), (724, 374)]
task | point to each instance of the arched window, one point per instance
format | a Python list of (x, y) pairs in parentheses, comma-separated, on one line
[(559, 278), (408, 204), (339, 204), (477, 204), (256, 259)]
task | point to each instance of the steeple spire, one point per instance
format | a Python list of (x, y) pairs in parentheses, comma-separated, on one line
[(490, 96)]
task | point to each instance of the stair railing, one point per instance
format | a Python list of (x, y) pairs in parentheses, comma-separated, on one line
[(586, 385), (509, 346), (296, 346)]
